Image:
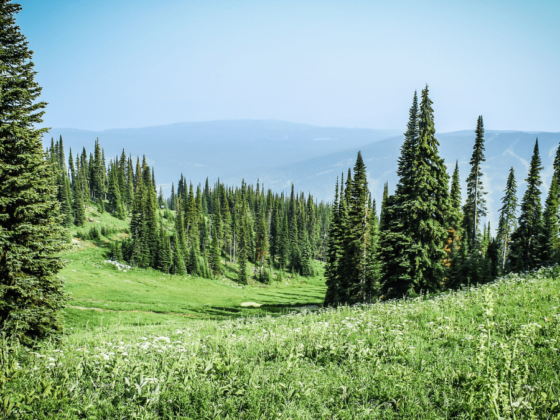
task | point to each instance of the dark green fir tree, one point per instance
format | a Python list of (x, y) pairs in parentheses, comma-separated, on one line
[(551, 241), (475, 205), (31, 236), (508, 219), (413, 249), (526, 250)]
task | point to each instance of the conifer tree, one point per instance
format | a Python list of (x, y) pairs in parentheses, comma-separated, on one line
[(455, 236), (193, 266), (78, 202), (178, 257), (356, 235), (385, 206), (165, 258), (284, 244), (65, 200), (508, 219), (261, 243), (413, 251), (526, 242), (121, 176), (215, 262), (475, 205), (227, 229), (31, 235), (243, 237), (115, 199), (372, 286), (551, 241)]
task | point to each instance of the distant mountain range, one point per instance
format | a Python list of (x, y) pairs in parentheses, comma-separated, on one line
[(279, 153)]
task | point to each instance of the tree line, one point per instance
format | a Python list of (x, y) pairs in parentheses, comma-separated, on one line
[(210, 227), (426, 239)]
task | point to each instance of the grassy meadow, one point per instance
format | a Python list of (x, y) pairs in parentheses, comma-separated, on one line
[(143, 345), (103, 295), (478, 353)]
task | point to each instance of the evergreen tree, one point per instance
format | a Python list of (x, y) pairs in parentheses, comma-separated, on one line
[(526, 250), (115, 199), (372, 285), (508, 219), (31, 235), (385, 206), (261, 244), (413, 252), (356, 236), (284, 245), (193, 266), (454, 238), (78, 202), (165, 258), (227, 229), (475, 206), (244, 244), (215, 262), (65, 200), (342, 283), (98, 177), (178, 257), (551, 241)]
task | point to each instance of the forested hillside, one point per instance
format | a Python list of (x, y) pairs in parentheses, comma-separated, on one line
[(201, 229)]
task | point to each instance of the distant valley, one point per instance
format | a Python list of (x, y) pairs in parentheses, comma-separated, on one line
[(279, 153)]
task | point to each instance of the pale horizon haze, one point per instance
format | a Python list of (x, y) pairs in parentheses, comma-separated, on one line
[(127, 64)]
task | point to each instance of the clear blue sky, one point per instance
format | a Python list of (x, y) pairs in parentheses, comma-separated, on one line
[(133, 63)]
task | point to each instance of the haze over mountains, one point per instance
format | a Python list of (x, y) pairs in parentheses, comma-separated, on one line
[(279, 153)]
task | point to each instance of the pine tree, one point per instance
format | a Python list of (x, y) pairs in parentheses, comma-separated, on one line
[(284, 244), (413, 252), (526, 250), (244, 244), (551, 241), (356, 235), (98, 177), (475, 205), (372, 285), (31, 235), (342, 284), (455, 235), (261, 244), (385, 206), (165, 258), (178, 266), (65, 200), (78, 202), (115, 199), (227, 229), (508, 219)]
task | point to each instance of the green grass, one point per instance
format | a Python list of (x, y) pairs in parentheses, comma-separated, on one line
[(100, 293), (481, 353)]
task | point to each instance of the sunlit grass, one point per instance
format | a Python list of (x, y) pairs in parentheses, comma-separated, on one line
[(487, 352)]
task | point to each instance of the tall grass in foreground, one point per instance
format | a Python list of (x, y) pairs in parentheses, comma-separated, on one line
[(478, 353)]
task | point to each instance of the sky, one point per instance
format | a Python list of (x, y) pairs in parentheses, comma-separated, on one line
[(351, 63)]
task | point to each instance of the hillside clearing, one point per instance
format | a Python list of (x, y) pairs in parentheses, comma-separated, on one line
[(487, 352)]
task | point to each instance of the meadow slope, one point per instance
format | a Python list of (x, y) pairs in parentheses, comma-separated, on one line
[(480, 352)]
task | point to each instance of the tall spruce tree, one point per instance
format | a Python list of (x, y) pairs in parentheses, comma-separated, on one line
[(551, 241), (454, 238), (334, 252), (526, 250), (413, 248), (475, 205), (31, 236), (356, 236), (508, 218), (372, 285)]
